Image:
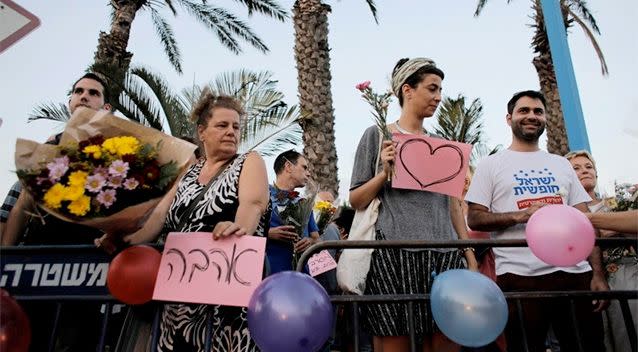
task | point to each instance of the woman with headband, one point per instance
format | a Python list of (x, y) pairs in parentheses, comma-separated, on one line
[(406, 215)]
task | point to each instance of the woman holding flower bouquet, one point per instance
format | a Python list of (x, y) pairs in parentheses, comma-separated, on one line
[(406, 215), (226, 194)]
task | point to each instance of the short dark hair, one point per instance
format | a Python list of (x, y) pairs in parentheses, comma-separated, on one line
[(97, 78), (345, 217), (414, 79), (534, 94), (289, 155)]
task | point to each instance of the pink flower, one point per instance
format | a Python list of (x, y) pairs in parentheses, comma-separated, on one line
[(94, 183), (363, 85), (131, 184), (106, 197), (118, 168), (116, 181), (57, 168), (101, 170)]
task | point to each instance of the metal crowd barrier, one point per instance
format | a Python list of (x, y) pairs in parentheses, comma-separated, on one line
[(355, 300), (62, 274)]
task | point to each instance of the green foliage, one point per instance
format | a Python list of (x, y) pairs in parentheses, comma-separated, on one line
[(461, 123), (168, 173)]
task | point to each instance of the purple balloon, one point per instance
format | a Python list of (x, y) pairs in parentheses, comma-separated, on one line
[(290, 311)]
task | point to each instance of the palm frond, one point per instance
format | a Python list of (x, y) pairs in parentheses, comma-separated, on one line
[(594, 42), (580, 7), (50, 111), (373, 9), (136, 104), (273, 132), (169, 4), (459, 123), (173, 108), (479, 151), (225, 25), (167, 37), (479, 7), (266, 7)]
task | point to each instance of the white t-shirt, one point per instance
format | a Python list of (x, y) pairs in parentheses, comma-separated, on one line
[(510, 181)]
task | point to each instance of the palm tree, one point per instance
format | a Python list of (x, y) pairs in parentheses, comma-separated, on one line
[(269, 127), (573, 11), (312, 54), (456, 122), (112, 57)]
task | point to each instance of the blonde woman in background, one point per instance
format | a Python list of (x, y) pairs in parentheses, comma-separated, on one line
[(621, 263)]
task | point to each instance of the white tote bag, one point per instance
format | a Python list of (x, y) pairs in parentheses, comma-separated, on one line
[(354, 264)]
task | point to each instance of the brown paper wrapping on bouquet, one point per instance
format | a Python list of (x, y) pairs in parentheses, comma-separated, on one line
[(86, 123)]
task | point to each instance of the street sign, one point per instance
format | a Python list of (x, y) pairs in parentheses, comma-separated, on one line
[(15, 23)]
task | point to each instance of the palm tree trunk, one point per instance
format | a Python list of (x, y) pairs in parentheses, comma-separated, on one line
[(111, 58), (557, 141), (312, 55)]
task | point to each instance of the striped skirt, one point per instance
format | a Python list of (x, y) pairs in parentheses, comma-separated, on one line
[(397, 271)]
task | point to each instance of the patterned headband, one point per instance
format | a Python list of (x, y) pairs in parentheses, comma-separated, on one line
[(406, 70)]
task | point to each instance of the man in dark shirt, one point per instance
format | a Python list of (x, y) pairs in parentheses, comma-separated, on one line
[(79, 323)]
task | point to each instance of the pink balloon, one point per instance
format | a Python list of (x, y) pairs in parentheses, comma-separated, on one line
[(560, 235)]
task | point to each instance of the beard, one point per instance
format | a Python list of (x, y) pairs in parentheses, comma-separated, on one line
[(520, 132)]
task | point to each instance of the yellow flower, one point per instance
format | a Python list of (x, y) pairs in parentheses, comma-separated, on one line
[(121, 145), (74, 193), (93, 150), (610, 202), (80, 206), (54, 196), (323, 205), (78, 178)]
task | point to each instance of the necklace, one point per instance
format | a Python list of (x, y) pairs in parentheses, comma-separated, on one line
[(396, 123)]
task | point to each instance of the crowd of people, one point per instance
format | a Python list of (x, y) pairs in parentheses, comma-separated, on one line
[(229, 194)]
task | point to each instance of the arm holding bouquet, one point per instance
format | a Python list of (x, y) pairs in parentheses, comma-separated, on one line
[(313, 237), (153, 226), (623, 221), (361, 196), (17, 221), (107, 173)]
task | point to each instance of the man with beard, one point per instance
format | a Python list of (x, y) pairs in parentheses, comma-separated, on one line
[(507, 188)]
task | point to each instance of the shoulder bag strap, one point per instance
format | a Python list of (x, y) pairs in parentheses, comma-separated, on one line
[(376, 164)]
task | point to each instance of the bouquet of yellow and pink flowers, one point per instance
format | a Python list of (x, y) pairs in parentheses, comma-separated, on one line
[(106, 172)]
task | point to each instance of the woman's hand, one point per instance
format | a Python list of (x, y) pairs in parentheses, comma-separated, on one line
[(227, 228), (303, 244), (388, 154), (472, 263), (109, 243), (283, 233)]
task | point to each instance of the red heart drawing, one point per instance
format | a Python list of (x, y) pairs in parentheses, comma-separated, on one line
[(435, 175)]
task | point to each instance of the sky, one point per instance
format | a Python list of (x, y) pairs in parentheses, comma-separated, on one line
[(487, 57)]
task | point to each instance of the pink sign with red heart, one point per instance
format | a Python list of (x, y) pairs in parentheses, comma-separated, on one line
[(430, 164)]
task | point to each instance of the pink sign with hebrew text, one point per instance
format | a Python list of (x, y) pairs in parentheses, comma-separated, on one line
[(321, 262), (430, 164), (197, 269)]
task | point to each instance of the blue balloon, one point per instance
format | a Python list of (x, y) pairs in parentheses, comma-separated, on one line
[(468, 307), (290, 311)]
